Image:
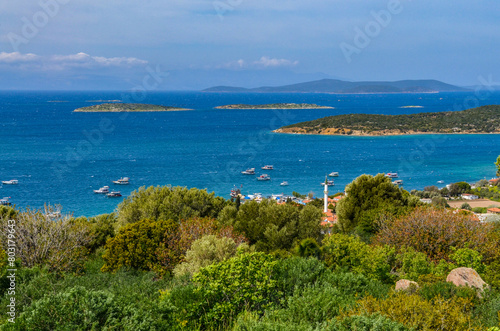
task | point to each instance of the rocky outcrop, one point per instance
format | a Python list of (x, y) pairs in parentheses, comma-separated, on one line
[(466, 277), (406, 285)]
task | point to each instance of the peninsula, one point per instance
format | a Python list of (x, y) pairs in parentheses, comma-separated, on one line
[(485, 119), (126, 107), (276, 106)]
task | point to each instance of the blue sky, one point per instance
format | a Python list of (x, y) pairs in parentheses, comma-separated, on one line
[(76, 44)]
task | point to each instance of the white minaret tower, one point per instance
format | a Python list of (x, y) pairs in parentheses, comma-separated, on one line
[(326, 195)]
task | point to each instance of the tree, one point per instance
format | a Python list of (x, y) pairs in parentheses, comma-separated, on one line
[(136, 245), (277, 227), (42, 239), (367, 198), (497, 164), (435, 232), (164, 203), (206, 251), (230, 287)]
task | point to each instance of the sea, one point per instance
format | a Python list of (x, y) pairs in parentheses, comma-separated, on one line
[(59, 157)]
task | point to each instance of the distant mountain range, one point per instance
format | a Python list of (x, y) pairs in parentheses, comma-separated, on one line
[(339, 86)]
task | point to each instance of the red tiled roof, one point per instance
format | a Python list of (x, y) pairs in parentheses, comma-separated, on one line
[(494, 210)]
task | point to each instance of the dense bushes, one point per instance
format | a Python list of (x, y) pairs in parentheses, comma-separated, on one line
[(167, 203), (367, 199), (136, 245), (435, 232), (271, 227), (44, 239)]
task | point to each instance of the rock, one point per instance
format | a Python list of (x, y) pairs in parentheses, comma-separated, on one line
[(406, 285), (466, 277)]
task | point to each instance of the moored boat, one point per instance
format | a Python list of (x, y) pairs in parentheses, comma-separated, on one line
[(249, 171), (285, 183), (392, 174), (114, 194), (267, 167), (333, 174), (10, 182), (398, 182), (102, 190), (122, 181), (264, 177), (328, 182), (5, 201)]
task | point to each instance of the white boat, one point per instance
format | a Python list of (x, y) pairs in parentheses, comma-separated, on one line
[(114, 194), (10, 182), (285, 183), (122, 181), (328, 182), (264, 177), (392, 175), (5, 201), (267, 167), (440, 181), (398, 182), (333, 174), (249, 171), (102, 190)]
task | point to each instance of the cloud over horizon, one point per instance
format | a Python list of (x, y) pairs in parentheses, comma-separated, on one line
[(31, 61)]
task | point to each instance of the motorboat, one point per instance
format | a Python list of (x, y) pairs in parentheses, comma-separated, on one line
[(285, 183), (10, 182), (440, 181), (328, 183), (235, 192), (249, 171), (122, 181), (267, 167), (114, 194), (392, 175), (333, 174), (398, 182), (264, 177), (102, 190), (5, 201)]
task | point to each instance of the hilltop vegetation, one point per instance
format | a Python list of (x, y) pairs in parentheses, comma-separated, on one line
[(485, 119), (126, 107), (275, 106), (183, 259)]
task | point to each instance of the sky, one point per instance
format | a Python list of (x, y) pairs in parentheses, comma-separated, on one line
[(191, 44)]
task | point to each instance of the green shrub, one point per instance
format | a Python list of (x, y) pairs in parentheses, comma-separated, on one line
[(466, 257), (230, 287), (349, 253), (296, 273), (168, 203), (204, 252), (136, 245), (412, 264)]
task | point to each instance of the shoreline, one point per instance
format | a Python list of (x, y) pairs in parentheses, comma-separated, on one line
[(357, 134)]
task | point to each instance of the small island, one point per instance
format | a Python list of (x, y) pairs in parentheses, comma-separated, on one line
[(126, 107), (276, 106), (485, 119)]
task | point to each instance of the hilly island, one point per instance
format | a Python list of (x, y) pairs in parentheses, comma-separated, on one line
[(485, 119), (126, 107), (275, 106)]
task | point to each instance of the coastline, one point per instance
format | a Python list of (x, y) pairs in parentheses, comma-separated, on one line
[(357, 133)]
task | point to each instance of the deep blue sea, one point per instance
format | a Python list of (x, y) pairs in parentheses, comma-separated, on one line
[(60, 157)]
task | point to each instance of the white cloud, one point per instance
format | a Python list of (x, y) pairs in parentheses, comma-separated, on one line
[(61, 62), (16, 57), (266, 61), (263, 62)]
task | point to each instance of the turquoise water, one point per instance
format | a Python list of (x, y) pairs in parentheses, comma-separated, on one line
[(60, 157)]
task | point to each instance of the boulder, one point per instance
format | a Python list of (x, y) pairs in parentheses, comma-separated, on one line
[(466, 277), (406, 285)]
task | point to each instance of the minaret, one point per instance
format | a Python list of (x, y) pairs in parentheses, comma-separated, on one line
[(326, 195)]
